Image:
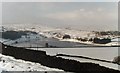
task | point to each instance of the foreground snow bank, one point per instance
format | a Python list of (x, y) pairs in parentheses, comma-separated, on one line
[(8, 63)]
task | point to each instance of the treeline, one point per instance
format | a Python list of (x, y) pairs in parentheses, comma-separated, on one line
[(101, 41), (96, 40), (115, 33)]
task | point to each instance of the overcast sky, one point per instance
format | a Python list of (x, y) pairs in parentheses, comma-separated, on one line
[(78, 15)]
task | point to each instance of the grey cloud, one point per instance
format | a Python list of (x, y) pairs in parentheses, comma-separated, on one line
[(79, 15)]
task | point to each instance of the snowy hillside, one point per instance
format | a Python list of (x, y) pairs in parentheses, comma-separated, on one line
[(45, 35), (42, 28), (54, 36)]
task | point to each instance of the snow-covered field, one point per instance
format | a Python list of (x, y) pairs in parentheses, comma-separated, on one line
[(8, 63)]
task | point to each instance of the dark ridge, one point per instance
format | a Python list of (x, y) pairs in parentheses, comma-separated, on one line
[(55, 62), (101, 41), (13, 35), (35, 72), (86, 58)]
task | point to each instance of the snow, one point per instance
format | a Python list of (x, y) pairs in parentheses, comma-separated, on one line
[(113, 44), (8, 63), (116, 40), (44, 29), (48, 32), (4, 40)]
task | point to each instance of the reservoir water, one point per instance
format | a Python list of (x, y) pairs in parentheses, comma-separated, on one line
[(103, 53)]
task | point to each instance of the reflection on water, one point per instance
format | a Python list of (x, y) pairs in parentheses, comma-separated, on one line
[(51, 42), (96, 52)]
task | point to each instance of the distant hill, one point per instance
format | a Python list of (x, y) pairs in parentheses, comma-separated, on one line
[(13, 35)]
